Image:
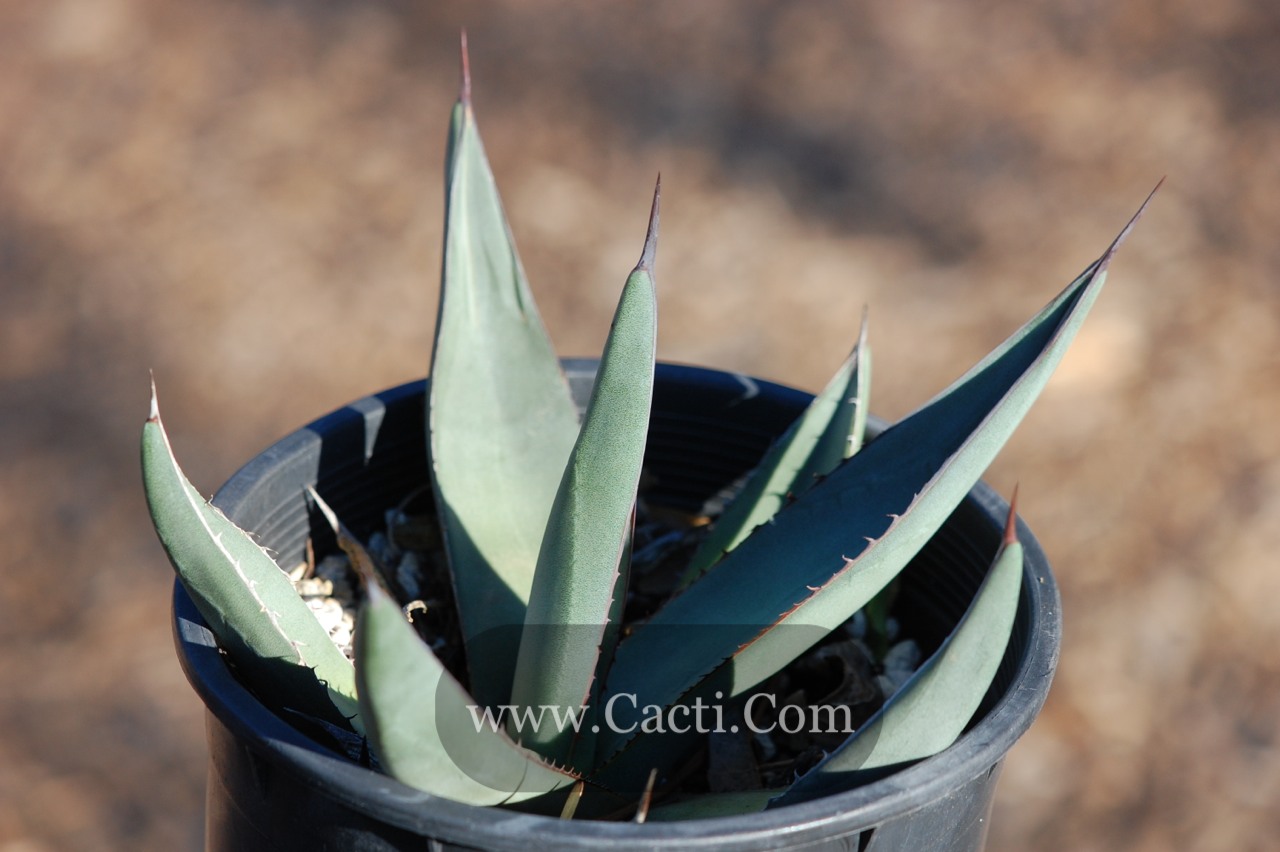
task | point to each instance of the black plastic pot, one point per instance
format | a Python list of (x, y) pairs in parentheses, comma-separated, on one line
[(271, 787)]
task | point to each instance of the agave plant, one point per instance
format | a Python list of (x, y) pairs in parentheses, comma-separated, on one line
[(536, 505)]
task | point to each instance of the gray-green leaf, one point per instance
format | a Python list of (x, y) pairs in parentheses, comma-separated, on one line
[(712, 805), (426, 730), (828, 431), (847, 429), (249, 603), (932, 708), (573, 589), (500, 417), (830, 551)]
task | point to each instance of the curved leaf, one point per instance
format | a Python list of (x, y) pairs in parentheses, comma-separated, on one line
[(829, 431), (426, 730), (829, 552), (932, 708), (251, 606)]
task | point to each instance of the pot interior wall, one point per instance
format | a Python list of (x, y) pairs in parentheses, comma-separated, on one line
[(707, 430)]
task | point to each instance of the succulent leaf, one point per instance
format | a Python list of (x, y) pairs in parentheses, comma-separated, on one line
[(712, 805), (426, 729), (247, 600), (584, 749), (847, 430), (932, 708), (537, 514), (590, 523), (828, 432), (830, 551), (501, 420)]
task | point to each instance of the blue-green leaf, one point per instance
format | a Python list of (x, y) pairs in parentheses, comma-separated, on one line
[(500, 417), (831, 550), (425, 729), (573, 589), (251, 606), (828, 431), (932, 708), (847, 428), (712, 805)]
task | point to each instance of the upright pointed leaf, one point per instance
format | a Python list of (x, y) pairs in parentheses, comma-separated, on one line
[(426, 730), (591, 521), (501, 420), (847, 429), (249, 603), (934, 706), (826, 554), (823, 436)]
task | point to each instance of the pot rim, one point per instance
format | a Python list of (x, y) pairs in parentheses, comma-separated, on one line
[(979, 750)]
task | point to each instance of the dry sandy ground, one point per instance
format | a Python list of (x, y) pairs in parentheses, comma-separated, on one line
[(245, 197)]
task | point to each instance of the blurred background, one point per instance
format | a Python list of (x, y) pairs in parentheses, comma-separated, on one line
[(245, 198)]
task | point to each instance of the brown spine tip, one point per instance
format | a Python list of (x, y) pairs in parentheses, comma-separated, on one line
[(650, 253), (1105, 260), (465, 94), (1011, 523)]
